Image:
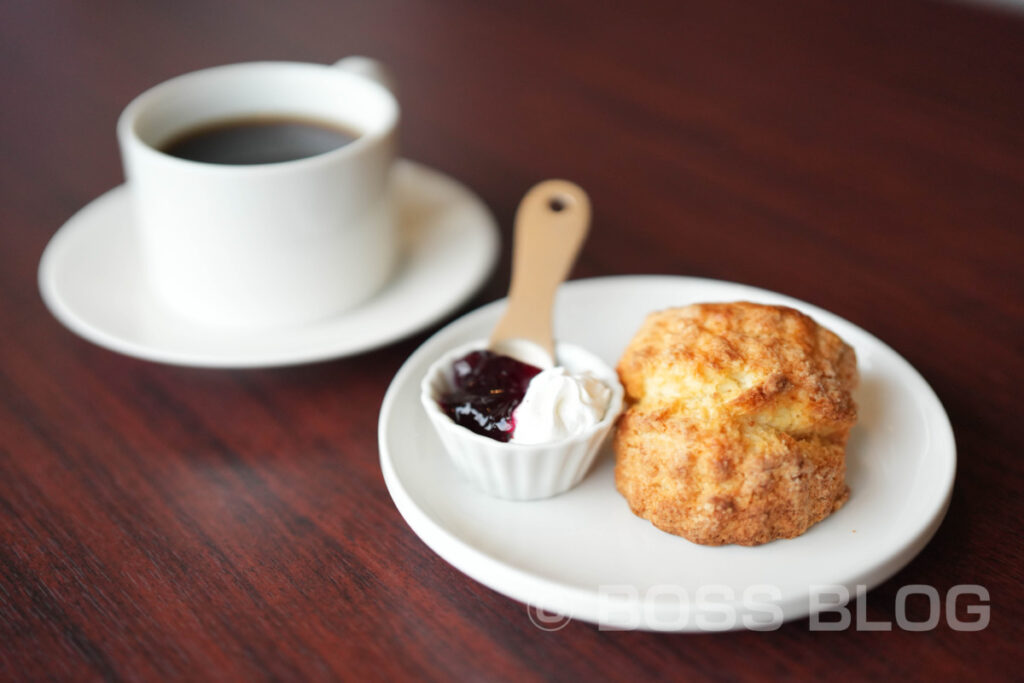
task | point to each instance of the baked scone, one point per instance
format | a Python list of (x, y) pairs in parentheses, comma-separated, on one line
[(737, 422)]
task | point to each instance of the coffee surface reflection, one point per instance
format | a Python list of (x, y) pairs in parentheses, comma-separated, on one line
[(258, 140)]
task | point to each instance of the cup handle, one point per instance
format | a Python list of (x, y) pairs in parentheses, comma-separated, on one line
[(368, 68)]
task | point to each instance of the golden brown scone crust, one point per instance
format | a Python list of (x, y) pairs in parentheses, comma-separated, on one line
[(737, 425)]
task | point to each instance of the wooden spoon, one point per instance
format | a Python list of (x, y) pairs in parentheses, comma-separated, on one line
[(551, 223)]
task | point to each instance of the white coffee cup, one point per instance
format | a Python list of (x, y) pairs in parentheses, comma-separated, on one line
[(272, 244)]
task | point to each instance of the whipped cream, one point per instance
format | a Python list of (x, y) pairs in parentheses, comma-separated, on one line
[(558, 405)]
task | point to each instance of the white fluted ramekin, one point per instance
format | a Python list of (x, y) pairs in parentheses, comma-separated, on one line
[(520, 471)]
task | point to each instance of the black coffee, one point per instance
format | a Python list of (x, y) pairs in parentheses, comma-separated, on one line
[(258, 140)]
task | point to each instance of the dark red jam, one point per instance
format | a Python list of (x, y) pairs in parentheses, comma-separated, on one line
[(488, 388)]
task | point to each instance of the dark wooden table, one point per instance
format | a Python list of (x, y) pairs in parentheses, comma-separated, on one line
[(162, 522)]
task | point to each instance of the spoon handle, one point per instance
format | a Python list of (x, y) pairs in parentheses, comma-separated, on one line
[(551, 223)]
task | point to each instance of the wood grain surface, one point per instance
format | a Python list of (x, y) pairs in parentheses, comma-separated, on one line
[(167, 523)]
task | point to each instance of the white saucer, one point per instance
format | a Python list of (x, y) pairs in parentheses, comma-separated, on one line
[(91, 280), (585, 555)]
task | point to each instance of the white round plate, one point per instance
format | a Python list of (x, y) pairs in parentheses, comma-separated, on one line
[(586, 556), (91, 280)]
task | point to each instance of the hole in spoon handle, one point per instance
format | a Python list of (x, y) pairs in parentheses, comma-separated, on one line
[(557, 203), (551, 224)]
